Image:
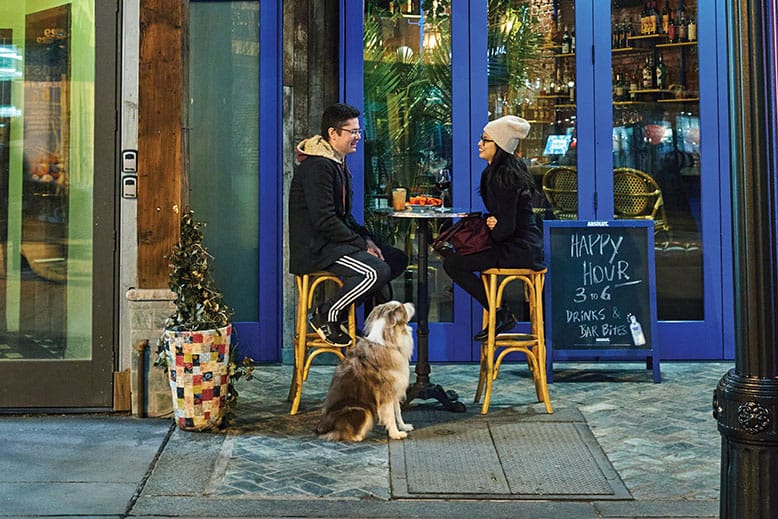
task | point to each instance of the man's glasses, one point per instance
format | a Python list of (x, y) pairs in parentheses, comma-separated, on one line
[(354, 133), (485, 140)]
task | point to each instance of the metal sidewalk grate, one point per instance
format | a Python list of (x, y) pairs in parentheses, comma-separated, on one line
[(506, 455)]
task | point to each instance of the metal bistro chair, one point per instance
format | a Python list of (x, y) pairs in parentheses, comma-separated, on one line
[(637, 196), (496, 347), (560, 185), (307, 344)]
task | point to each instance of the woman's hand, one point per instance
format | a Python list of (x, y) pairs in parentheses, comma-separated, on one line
[(491, 222)]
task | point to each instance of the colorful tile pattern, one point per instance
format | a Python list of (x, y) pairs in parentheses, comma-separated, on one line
[(199, 375)]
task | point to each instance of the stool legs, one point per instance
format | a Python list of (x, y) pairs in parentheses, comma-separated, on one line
[(308, 345), (532, 345)]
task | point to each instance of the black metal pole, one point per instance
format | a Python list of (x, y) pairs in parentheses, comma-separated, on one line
[(745, 403)]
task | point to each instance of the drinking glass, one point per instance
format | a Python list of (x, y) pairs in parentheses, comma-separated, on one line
[(443, 182)]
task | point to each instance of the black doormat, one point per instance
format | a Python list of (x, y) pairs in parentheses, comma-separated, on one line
[(508, 454)]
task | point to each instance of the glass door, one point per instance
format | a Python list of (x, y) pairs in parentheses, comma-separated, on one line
[(56, 262), (531, 52), (230, 49), (664, 102)]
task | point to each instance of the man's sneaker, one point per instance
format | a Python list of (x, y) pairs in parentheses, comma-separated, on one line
[(344, 328), (329, 332)]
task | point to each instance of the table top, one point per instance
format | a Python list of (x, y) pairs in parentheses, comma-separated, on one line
[(429, 214)]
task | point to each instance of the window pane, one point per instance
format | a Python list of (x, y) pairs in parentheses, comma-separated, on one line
[(46, 182), (407, 118), (656, 143), (224, 144), (532, 74)]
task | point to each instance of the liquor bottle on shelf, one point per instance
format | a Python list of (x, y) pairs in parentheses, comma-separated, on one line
[(671, 33), (566, 41), (661, 74), (666, 18), (572, 41), (681, 30), (633, 87), (644, 20), (616, 36), (648, 75), (656, 21), (677, 28), (691, 30), (618, 88)]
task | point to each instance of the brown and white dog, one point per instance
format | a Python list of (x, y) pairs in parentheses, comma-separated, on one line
[(370, 383)]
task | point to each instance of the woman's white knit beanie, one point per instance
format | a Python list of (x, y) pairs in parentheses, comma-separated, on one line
[(507, 131)]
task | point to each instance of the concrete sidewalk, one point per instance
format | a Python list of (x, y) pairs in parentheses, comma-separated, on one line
[(660, 439), (75, 465)]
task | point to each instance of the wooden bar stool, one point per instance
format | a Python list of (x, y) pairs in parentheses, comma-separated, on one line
[(307, 343), (533, 345)]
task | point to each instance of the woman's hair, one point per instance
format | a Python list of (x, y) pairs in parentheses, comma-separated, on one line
[(508, 172)]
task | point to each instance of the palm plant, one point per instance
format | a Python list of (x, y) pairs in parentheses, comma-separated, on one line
[(514, 46)]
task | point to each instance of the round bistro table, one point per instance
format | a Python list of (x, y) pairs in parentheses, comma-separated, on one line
[(422, 388)]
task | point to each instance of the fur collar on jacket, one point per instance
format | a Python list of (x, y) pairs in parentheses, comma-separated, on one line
[(317, 146)]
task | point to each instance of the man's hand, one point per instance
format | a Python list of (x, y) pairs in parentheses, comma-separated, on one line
[(373, 249)]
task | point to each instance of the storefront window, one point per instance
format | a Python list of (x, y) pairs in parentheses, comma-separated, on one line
[(532, 50), (407, 118), (656, 142), (47, 99), (224, 143)]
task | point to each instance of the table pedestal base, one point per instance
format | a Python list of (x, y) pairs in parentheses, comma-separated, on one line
[(423, 391)]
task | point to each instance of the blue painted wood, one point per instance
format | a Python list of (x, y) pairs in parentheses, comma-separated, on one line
[(591, 45), (261, 339)]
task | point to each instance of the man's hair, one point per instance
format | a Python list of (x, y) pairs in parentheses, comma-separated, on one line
[(335, 116)]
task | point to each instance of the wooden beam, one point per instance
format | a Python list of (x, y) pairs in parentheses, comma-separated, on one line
[(161, 173)]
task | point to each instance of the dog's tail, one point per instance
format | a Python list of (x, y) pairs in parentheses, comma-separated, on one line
[(350, 423)]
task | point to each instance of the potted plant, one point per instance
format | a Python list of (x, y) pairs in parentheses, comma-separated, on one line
[(196, 346)]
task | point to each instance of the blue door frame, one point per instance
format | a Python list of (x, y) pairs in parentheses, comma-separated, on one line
[(261, 339)]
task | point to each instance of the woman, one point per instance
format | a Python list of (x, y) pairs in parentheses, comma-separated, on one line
[(506, 190)]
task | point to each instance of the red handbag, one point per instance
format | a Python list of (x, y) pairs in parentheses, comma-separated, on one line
[(467, 236)]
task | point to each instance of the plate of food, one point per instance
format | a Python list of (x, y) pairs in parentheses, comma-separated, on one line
[(423, 202)]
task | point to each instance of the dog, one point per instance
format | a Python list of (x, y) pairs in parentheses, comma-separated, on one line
[(369, 385)]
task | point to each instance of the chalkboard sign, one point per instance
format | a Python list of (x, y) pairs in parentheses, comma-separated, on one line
[(601, 292)]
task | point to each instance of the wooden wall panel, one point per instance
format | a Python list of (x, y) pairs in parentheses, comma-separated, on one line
[(310, 65), (161, 83)]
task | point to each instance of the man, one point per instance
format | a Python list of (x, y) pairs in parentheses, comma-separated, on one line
[(323, 234)]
